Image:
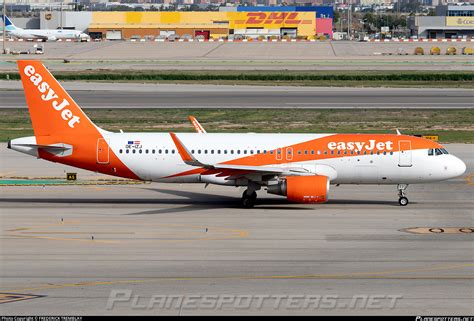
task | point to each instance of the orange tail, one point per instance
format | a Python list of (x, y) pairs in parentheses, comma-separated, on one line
[(53, 112), (58, 121)]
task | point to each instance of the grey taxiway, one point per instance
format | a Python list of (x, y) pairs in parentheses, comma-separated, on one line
[(68, 249)]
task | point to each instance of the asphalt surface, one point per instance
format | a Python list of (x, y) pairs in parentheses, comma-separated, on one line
[(100, 95), (321, 55), (156, 242)]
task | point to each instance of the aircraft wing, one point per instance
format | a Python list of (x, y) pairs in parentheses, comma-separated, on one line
[(42, 37), (235, 171)]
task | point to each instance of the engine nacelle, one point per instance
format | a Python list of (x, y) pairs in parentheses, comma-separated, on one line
[(302, 189)]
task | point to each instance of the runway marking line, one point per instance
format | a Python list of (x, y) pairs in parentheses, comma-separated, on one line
[(26, 232), (439, 230), (13, 297), (470, 179), (356, 275)]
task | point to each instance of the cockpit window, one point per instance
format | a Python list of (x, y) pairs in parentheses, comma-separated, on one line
[(437, 151)]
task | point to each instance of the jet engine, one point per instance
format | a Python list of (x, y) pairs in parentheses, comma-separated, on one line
[(302, 189)]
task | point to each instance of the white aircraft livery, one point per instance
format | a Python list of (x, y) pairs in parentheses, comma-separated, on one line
[(300, 167), (43, 34)]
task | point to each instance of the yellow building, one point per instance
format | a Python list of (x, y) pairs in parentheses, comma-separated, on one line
[(124, 25)]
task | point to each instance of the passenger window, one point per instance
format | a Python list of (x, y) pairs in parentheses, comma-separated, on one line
[(306, 152), (212, 151), (152, 151), (159, 151), (120, 151), (172, 151), (199, 151), (133, 151), (245, 151), (166, 151), (218, 151), (127, 151), (205, 151), (251, 151), (231, 151), (192, 151)]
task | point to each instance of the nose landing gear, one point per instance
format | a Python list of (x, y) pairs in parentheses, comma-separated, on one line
[(403, 200)]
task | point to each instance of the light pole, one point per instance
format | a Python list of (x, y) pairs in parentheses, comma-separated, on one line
[(4, 25)]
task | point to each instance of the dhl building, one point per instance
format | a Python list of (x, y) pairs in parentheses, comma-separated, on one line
[(124, 25)]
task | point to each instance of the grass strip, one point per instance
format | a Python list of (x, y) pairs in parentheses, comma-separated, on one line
[(452, 125)]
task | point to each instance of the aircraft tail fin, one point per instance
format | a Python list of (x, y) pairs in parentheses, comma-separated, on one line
[(52, 111), (9, 26)]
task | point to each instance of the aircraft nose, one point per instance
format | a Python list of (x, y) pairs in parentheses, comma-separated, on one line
[(458, 167)]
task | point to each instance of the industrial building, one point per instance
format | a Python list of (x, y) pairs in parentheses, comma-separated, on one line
[(450, 22), (230, 22), (124, 25), (324, 15)]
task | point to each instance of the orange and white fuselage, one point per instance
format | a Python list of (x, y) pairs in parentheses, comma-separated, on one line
[(299, 166)]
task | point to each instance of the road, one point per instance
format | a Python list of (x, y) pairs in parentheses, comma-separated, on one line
[(100, 95)]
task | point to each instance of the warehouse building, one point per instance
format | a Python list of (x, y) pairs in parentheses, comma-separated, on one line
[(324, 15), (450, 22), (125, 25)]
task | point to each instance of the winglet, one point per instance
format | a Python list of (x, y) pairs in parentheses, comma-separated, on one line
[(197, 126), (186, 156)]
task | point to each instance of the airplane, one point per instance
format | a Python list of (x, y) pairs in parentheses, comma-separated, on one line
[(43, 34), (299, 166)]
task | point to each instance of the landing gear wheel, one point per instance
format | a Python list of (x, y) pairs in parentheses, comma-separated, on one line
[(248, 201), (403, 201)]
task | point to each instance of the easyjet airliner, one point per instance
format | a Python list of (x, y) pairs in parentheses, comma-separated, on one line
[(298, 166)]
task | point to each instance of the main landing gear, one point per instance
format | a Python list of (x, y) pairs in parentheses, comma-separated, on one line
[(249, 197), (248, 200), (403, 200)]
